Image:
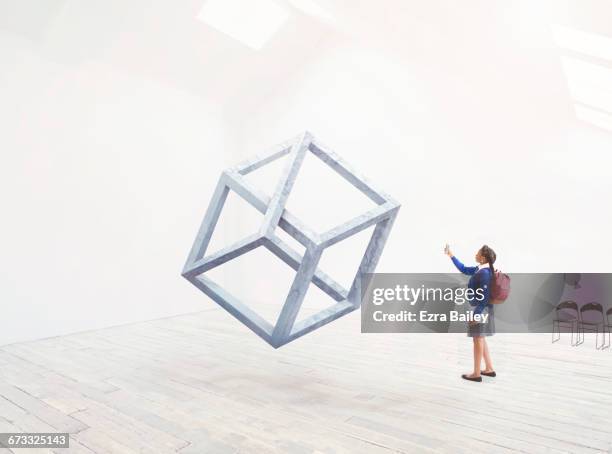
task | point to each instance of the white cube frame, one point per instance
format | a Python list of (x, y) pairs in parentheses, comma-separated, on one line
[(275, 215)]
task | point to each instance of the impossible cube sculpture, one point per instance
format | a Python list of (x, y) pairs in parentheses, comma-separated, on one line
[(275, 215)]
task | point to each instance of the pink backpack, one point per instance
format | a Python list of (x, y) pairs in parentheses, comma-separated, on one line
[(500, 289)]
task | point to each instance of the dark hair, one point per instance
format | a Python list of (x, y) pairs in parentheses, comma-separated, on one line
[(489, 254)]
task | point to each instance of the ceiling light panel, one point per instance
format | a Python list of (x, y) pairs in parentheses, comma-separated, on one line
[(252, 22)]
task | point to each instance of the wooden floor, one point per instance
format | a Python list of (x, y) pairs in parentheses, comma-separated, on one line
[(201, 383)]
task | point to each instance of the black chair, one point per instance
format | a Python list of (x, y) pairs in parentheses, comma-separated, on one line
[(566, 314), (591, 319), (608, 327)]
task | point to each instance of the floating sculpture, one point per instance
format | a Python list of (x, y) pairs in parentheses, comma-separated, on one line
[(275, 215)]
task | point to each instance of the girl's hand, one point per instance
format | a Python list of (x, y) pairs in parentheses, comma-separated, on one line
[(447, 250)]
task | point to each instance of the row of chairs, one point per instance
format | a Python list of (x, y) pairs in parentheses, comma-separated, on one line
[(588, 317)]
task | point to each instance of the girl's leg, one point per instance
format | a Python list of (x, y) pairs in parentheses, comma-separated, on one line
[(487, 356), (478, 347)]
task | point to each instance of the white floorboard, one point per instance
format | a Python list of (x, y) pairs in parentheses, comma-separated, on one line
[(202, 383)]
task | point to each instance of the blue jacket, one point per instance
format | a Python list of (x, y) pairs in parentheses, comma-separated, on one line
[(481, 278)]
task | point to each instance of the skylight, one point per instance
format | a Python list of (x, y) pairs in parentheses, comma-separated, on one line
[(313, 9), (586, 43), (252, 22), (588, 69)]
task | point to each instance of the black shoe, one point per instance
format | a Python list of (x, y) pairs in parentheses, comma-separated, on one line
[(467, 377), (488, 374)]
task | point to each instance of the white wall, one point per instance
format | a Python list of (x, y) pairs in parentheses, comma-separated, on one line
[(117, 119), (104, 178)]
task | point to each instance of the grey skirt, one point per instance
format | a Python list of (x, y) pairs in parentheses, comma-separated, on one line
[(484, 329)]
